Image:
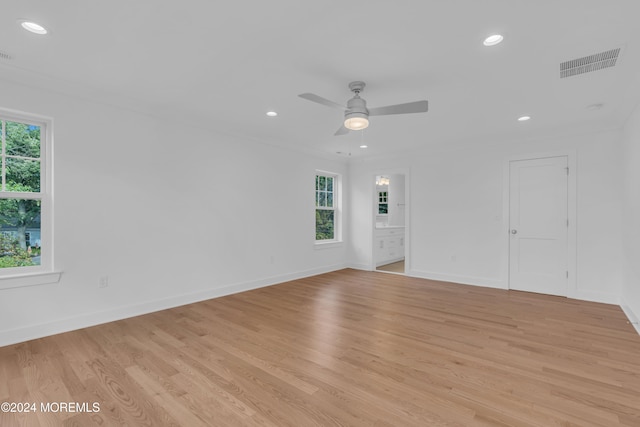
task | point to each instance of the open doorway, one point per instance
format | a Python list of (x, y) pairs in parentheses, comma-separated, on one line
[(389, 234)]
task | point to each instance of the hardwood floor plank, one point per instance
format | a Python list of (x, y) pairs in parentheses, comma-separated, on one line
[(348, 348), (166, 394), (120, 395)]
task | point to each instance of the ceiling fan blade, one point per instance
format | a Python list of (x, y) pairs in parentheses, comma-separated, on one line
[(409, 107), (320, 100), (342, 131)]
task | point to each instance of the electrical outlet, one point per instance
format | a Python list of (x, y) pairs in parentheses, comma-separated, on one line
[(104, 282)]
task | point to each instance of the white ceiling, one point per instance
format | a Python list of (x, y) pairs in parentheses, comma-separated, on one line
[(224, 64)]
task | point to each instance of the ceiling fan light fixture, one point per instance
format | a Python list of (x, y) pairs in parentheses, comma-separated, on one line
[(356, 113), (356, 121)]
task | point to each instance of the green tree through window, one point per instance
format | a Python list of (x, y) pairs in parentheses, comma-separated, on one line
[(20, 200), (325, 207)]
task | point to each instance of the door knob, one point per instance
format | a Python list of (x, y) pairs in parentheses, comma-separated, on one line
[(514, 231)]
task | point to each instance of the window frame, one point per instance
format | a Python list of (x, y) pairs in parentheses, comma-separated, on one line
[(11, 277), (337, 208)]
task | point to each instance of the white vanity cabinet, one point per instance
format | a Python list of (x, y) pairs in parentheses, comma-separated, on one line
[(389, 245)]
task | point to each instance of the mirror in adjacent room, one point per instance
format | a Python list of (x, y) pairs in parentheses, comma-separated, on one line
[(389, 233)]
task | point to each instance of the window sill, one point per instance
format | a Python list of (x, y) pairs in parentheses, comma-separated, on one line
[(328, 244), (33, 279)]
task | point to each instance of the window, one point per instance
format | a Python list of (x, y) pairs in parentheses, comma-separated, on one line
[(25, 226), (383, 203), (327, 203)]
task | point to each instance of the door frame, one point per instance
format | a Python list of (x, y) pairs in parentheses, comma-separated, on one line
[(571, 214), (407, 214)]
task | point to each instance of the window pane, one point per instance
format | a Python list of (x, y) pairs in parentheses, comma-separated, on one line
[(383, 208), (330, 200), (329, 184), (23, 175), (321, 182), (22, 140), (322, 199), (20, 243), (324, 225)]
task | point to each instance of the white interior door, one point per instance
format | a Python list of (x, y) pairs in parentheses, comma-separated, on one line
[(538, 220)]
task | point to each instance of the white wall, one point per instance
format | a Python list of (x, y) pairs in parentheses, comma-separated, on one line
[(457, 210), (631, 216), (397, 199), (171, 213)]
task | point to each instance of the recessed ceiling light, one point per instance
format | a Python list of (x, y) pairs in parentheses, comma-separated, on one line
[(34, 27), (363, 146), (493, 40), (271, 113), (523, 118)]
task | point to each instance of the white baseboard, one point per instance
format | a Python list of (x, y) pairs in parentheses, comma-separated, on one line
[(498, 284), (594, 296), (356, 266), (464, 280), (27, 333), (633, 318)]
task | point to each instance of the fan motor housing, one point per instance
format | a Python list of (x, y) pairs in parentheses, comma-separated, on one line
[(356, 105)]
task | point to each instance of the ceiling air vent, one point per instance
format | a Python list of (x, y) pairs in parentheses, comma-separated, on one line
[(5, 56), (586, 64)]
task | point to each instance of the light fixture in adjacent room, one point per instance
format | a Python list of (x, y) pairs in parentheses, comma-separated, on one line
[(356, 121), (524, 118), (382, 180), (271, 113), (493, 40), (34, 27)]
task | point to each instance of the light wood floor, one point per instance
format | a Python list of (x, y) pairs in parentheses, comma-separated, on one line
[(394, 267), (345, 348)]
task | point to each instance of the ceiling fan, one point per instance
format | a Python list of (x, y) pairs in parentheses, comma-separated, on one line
[(356, 113)]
